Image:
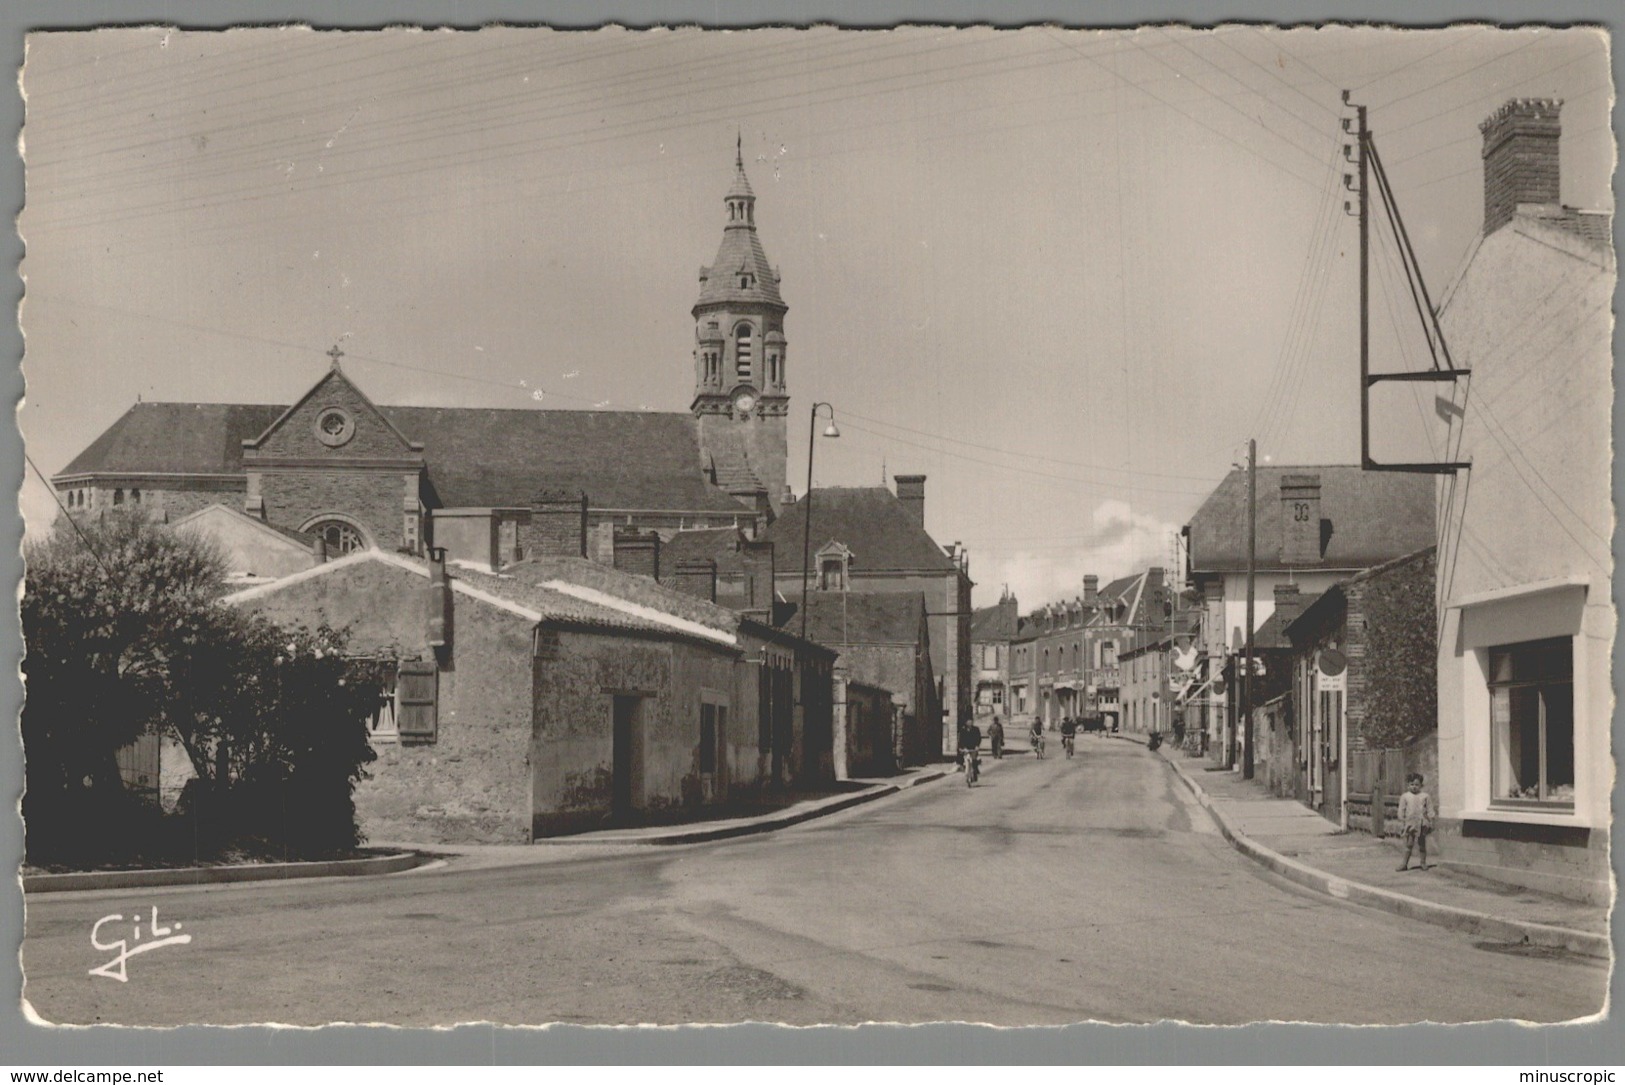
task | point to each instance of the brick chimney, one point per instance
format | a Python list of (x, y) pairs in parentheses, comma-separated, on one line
[(756, 558), (1288, 603), (911, 492), (558, 524), (637, 552), (1520, 158), (1091, 590), (1300, 520), (697, 577)]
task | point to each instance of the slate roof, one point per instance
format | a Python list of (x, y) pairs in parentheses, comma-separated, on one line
[(176, 438), (629, 587), (837, 618), (997, 622), (879, 530), (508, 591), (1375, 516), (1271, 634), (719, 544), (1596, 227), (741, 250), (554, 605), (476, 457)]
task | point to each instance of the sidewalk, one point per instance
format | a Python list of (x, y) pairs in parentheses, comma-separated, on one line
[(696, 832), (1297, 843)]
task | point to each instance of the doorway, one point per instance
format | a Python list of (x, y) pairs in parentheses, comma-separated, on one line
[(627, 756)]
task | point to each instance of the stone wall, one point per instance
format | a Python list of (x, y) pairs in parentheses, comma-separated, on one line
[(372, 498), (572, 755), (471, 784)]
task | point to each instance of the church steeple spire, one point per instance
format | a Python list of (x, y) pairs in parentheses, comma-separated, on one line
[(741, 200), (740, 382)]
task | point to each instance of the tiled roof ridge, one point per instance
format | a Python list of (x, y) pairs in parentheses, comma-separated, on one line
[(1392, 564)]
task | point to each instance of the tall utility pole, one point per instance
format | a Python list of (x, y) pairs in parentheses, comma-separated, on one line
[(1252, 569), (1365, 300)]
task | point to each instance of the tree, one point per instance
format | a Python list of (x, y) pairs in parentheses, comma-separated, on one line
[(125, 634), (97, 609)]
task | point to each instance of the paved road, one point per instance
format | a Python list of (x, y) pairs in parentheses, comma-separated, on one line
[(1057, 891)]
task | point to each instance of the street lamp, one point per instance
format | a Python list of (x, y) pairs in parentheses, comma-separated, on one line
[(806, 504)]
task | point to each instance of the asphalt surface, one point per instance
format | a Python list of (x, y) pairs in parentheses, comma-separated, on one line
[(1056, 891)]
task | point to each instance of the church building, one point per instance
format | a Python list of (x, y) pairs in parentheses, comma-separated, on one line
[(352, 474)]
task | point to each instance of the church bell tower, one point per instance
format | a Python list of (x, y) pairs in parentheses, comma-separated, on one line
[(741, 396)]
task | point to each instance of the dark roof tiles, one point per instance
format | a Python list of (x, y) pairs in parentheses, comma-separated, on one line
[(869, 520), (837, 618), (476, 457), (1374, 516)]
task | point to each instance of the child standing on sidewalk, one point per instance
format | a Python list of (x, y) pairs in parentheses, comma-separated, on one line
[(1416, 815)]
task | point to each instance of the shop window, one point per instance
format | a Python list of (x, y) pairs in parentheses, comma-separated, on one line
[(1532, 723)]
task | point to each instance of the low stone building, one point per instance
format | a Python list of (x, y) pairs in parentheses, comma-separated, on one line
[(560, 695)]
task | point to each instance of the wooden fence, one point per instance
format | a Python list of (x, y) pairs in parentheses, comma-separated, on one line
[(1388, 768)]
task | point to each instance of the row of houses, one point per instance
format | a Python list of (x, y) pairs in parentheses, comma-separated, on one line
[(1457, 624), (1068, 658)]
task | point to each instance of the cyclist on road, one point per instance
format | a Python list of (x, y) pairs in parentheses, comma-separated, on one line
[(1069, 734)]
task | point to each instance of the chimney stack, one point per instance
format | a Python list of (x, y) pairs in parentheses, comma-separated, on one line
[(911, 492), (1520, 158), (637, 552), (1288, 603), (697, 577), (1300, 520), (558, 524), (756, 557), (1091, 590)]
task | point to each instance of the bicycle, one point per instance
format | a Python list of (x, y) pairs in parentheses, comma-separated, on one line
[(1038, 745), (973, 765), (1068, 743)]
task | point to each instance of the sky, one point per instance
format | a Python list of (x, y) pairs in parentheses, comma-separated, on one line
[(1064, 274)]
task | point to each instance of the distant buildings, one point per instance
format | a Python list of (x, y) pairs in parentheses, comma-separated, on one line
[(867, 540), (1315, 527)]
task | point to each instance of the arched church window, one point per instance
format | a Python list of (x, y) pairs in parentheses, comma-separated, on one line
[(742, 350), (340, 537)]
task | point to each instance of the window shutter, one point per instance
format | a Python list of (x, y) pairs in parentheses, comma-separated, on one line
[(417, 694)]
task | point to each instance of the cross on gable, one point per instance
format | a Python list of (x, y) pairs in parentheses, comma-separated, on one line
[(335, 354)]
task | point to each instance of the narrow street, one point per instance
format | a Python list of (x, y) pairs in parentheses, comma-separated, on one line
[(1056, 891)]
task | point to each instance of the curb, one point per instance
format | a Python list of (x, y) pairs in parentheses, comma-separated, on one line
[(765, 824), (1444, 915), (217, 875)]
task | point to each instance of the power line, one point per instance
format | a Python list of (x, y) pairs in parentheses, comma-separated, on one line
[(66, 515), (1073, 479), (847, 412)]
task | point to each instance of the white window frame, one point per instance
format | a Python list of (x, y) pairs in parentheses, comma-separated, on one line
[(1476, 718)]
